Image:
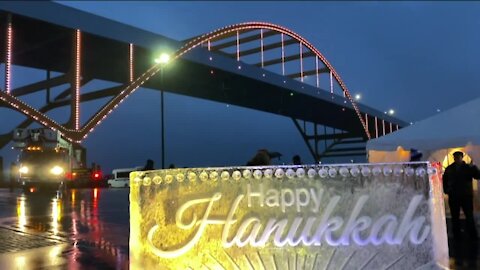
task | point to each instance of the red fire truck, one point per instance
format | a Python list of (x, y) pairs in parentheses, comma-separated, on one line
[(48, 161)]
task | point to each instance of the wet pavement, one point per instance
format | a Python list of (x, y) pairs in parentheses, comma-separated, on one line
[(86, 229)]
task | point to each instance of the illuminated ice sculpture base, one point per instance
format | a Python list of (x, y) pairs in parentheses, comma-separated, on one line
[(355, 216)]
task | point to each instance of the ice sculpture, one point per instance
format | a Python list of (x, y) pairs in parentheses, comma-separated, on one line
[(346, 216)]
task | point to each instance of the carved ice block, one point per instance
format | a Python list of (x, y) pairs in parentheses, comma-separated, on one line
[(346, 216)]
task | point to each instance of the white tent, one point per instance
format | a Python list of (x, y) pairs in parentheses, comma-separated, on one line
[(436, 137)]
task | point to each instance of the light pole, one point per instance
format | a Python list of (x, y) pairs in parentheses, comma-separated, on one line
[(162, 117), (162, 60)]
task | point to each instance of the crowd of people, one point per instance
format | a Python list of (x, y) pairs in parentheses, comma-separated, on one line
[(262, 157)]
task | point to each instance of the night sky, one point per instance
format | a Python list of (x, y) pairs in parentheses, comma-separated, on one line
[(415, 57)]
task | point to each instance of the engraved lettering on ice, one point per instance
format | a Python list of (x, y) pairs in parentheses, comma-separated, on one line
[(314, 229)]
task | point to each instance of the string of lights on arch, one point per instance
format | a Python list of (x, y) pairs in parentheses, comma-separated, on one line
[(79, 133)]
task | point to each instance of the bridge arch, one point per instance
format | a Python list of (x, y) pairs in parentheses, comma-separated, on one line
[(269, 26), (81, 133)]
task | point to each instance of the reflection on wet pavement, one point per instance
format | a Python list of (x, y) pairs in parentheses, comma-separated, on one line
[(84, 229)]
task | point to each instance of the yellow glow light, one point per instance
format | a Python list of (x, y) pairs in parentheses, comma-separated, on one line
[(21, 214), (448, 159), (23, 169), (57, 170), (73, 196), (163, 58), (20, 262), (56, 215), (54, 252)]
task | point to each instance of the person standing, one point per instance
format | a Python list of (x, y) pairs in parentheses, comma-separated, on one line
[(415, 155), (148, 166), (457, 183), (297, 160), (261, 158)]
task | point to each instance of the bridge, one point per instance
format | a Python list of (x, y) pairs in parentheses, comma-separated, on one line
[(255, 65)]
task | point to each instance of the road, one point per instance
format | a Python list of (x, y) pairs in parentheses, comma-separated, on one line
[(86, 229)]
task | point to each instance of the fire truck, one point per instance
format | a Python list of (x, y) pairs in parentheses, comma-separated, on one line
[(48, 161)]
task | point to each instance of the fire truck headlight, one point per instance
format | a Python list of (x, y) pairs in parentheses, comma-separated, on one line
[(56, 170), (23, 169)]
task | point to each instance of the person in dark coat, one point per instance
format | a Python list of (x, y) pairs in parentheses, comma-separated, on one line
[(297, 160), (415, 155), (148, 166), (457, 183), (261, 158)]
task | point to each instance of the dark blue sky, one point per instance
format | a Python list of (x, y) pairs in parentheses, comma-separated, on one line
[(414, 57)]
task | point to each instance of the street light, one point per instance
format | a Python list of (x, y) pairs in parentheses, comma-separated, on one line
[(391, 112), (163, 59), (358, 97)]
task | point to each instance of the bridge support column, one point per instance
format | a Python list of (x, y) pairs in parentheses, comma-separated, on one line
[(76, 78), (335, 144), (8, 53), (47, 97), (130, 62)]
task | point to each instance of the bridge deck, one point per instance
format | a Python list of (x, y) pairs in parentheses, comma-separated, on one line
[(44, 38)]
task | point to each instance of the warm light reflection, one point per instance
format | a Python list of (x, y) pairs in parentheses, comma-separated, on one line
[(74, 257), (82, 209), (74, 192), (20, 262), (95, 198), (54, 254), (74, 225), (54, 251), (56, 215), (22, 217)]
